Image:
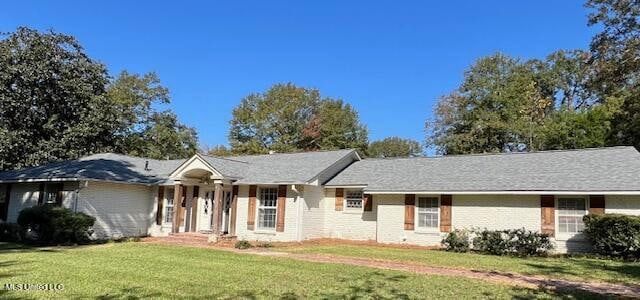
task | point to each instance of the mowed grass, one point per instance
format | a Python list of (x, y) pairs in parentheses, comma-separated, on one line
[(578, 268), (138, 270)]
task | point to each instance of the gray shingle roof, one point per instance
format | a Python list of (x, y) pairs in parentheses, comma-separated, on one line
[(265, 169), (104, 166), (278, 168), (599, 169)]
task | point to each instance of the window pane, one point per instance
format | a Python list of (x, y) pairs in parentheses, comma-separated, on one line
[(570, 213), (354, 199), (267, 218)]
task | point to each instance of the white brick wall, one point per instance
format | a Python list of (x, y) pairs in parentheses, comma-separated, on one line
[(391, 223), (120, 209), (347, 224), (496, 211), (290, 220), (628, 205), (313, 212), (25, 195)]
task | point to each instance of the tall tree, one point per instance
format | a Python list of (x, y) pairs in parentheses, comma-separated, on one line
[(289, 118), (395, 147), (53, 102), (142, 129), (162, 137), (57, 103), (616, 63), (499, 105)]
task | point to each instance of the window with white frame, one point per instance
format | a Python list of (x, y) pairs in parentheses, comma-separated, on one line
[(354, 199), (570, 214), (168, 206), (268, 199), (428, 209)]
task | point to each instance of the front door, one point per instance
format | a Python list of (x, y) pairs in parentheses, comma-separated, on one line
[(206, 210)]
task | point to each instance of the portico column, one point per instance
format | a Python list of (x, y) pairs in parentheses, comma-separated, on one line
[(217, 208), (177, 208)]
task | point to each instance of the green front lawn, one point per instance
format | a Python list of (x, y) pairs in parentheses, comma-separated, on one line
[(137, 270), (573, 268)]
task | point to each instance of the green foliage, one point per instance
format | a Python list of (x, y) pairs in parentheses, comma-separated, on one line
[(217, 150), (53, 102), (163, 137), (243, 244), (615, 62), (57, 103), (288, 118), (10, 232), (457, 241), (520, 242), (143, 130), (50, 225), (614, 235), (395, 147)]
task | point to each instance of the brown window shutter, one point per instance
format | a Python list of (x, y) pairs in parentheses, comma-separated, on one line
[(280, 208), (339, 199), (251, 218), (41, 194), (409, 211), (160, 205), (368, 202), (194, 208), (548, 207), (5, 206), (445, 212), (596, 204), (234, 210)]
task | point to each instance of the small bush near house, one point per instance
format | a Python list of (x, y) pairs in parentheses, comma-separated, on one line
[(242, 244), (51, 225), (519, 242), (457, 241), (10, 232), (614, 235)]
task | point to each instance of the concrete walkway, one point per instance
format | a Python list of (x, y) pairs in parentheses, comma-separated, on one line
[(493, 277)]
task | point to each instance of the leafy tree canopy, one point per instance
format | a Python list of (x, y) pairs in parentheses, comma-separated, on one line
[(288, 118), (57, 103), (395, 147)]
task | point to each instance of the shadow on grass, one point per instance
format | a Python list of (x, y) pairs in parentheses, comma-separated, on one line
[(618, 272)]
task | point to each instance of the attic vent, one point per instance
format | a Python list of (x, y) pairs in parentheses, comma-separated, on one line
[(146, 166)]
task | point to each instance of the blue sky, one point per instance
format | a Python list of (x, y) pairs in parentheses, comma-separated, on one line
[(389, 59)]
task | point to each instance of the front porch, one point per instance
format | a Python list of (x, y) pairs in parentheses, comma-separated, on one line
[(197, 199)]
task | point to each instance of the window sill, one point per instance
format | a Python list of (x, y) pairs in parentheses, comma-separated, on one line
[(265, 231), (427, 231), (353, 211)]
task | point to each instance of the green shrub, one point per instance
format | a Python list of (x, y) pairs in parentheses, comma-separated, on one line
[(49, 225), (10, 232), (457, 241), (614, 235), (491, 241), (520, 242), (242, 244)]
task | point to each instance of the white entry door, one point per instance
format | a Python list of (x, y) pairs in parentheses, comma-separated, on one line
[(205, 210)]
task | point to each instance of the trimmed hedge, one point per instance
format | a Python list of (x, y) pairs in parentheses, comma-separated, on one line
[(519, 242), (614, 235), (51, 225)]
